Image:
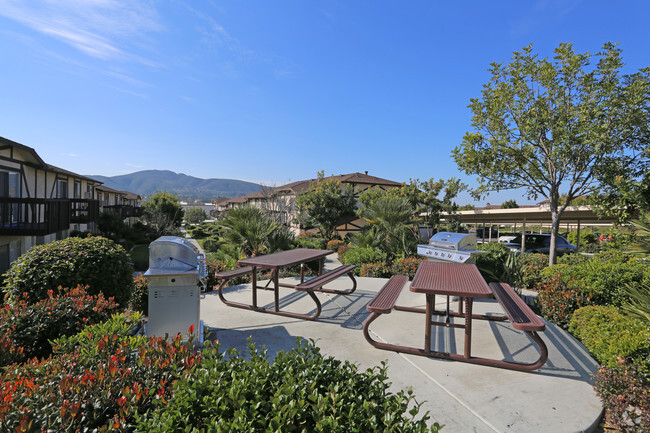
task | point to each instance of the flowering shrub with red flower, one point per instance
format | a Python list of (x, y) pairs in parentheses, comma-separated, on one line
[(98, 386), (558, 299), (625, 392), (26, 329)]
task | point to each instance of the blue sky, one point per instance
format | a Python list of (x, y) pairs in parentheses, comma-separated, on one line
[(274, 91)]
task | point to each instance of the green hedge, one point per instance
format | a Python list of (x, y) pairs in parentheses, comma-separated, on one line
[(300, 390), (608, 334), (310, 241), (97, 262), (359, 256)]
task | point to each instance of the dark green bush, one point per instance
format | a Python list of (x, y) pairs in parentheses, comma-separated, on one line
[(492, 264), (608, 334), (96, 262), (212, 244), (586, 238), (531, 264), (300, 390), (26, 329), (360, 255), (139, 300), (310, 241), (603, 281), (625, 392)]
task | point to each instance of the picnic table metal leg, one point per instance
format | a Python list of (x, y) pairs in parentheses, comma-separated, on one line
[(468, 327), (430, 299), (254, 283), (276, 284)]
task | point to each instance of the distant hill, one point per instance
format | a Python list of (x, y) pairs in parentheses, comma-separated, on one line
[(188, 188)]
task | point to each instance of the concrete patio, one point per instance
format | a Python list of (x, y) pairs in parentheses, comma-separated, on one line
[(465, 398)]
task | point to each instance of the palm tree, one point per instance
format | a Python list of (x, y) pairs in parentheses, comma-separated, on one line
[(639, 303), (391, 217), (249, 228)]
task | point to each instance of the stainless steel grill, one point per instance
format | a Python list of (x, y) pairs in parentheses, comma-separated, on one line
[(450, 247), (176, 266)]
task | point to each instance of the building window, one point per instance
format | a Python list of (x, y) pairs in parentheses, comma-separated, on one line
[(77, 189), (61, 188), (90, 191)]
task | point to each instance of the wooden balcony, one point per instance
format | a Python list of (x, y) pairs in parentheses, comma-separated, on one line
[(33, 216), (84, 211)]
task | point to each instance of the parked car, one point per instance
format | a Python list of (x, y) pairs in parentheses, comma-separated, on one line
[(541, 243)]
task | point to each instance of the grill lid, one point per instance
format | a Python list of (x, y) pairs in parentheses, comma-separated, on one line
[(174, 255), (453, 241)]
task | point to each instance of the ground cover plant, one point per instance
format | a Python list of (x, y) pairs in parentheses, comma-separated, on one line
[(300, 390), (104, 378)]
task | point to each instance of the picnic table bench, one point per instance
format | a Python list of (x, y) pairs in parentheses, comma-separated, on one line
[(445, 278), (275, 262)]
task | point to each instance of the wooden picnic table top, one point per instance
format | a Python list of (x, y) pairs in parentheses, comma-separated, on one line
[(285, 258), (452, 279)]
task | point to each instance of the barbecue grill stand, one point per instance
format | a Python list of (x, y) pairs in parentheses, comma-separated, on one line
[(176, 266)]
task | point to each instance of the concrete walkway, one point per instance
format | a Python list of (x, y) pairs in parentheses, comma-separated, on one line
[(466, 398)]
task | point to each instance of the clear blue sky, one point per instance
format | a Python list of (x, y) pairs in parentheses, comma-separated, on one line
[(274, 91)]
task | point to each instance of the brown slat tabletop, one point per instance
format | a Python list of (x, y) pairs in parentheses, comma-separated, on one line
[(285, 258), (453, 279)]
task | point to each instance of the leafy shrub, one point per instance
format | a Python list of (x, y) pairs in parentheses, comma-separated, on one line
[(300, 390), (605, 281), (406, 266), (281, 239), (140, 296), (531, 264), (359, 255), (625, 392), (375, 270), (608, 334), (26, 329), (211, 244), (97, 262), (572, 259), (499, 264), (334, 244), (342, 251), (101, 385), (215, 265), (558, 299), (310, 241), (586, 238)]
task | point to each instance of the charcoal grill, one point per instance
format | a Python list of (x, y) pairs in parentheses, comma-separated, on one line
[(450, 247), (176, 269)]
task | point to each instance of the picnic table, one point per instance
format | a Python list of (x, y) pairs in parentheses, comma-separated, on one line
[(277, 261), (465, 282)]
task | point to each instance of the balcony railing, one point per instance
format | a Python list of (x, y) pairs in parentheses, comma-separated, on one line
[(84, 211), (125, 211), (33, 216)]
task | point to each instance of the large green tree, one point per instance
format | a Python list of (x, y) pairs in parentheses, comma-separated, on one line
[(325, 203), (558, 126), (163, 212)]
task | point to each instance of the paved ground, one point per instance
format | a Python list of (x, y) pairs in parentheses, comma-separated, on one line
[(466, 398)]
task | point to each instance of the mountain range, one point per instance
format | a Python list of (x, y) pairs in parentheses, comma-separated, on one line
[(187, 188)]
